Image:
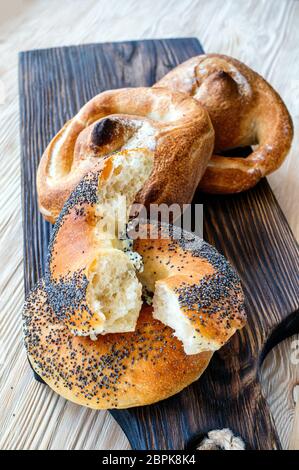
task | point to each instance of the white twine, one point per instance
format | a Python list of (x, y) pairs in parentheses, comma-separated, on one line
[(221, 439)]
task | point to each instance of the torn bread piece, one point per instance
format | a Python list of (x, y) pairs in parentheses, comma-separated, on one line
[(195, 290), (91, 278), (113, 292)]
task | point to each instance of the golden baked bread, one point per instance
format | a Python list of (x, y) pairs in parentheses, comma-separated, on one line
[(119, 370), (245, 111), (175, 127)]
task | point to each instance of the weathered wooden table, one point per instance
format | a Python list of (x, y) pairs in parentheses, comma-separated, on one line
[(264, 35)]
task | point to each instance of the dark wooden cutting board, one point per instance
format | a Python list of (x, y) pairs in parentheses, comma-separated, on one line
[(250, 229)]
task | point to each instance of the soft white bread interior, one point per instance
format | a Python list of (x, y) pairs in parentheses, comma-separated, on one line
[(117, 193), (167, 309), (113, 292)]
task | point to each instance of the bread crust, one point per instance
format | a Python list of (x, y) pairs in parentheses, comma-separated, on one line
[(174, 126), (245, 111)]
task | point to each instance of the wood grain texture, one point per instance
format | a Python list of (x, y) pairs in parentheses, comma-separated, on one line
[(249, 229), (265, 35), (283, 364)]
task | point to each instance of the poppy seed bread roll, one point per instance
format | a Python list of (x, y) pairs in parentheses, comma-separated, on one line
[(162, 356), (119, 370)]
